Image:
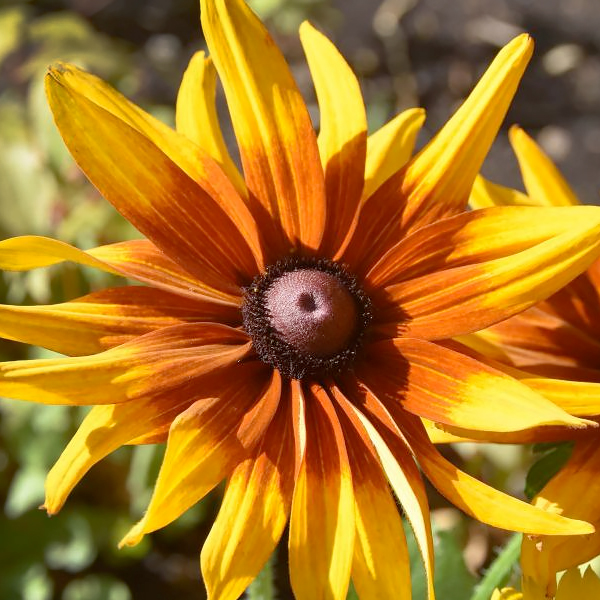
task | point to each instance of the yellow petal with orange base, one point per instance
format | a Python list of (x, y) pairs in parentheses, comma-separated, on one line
[(451, 388), (321, 540), (196, 115), (158, 361), (206, 442), (381, 564), (342, 138), (277, 143), (186, 221), (543, 181), (390, 148), (481, 501), (105, 319), (253, 514), (438, 180)]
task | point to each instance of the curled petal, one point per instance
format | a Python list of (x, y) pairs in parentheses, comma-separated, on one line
[(277, 142)]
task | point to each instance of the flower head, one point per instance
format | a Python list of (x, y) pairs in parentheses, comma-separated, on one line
[(295, 322)]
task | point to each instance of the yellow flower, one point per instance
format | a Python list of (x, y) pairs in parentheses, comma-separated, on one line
[(294, 324), (573, 585), (555, 346)]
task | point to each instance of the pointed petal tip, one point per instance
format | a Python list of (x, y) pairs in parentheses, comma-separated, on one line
[(132, 538)]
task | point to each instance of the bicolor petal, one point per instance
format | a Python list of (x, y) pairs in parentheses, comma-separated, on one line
[(275, 136), (342, 138), (321, 539)]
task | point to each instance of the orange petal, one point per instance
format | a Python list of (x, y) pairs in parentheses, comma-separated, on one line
[(191, 158), (151, 191), (253, 514), (342, 137), (374, 423), (277, 142), (573, 492), (108, 427), (390, 148), (458, 300), (479, 500), (543, 181), (196, 115), (451, 388), (155, 362), (206, 442), (437, 181), (321, 539), (104, 319)]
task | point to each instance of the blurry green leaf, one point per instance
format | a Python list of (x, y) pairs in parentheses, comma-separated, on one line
[(452, 579), (145, 464), (78, 552), (26, 491), (500, 570), (96, 587), (546, 467), (263, 587), (352, 595), (12, 22), (36, 584)]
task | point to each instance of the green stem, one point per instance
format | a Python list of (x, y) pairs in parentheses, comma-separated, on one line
[(499, 571)]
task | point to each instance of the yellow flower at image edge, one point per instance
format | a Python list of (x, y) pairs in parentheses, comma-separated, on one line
[(295, 324), (573, 585)]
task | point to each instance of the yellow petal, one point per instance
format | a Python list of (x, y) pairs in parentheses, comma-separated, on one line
[(575, 585), (158, 361), (277, 142), (206, 442), (451, 388), (438, 180), (507, 594), (342, 137), (185, 220), (321, 539), (485, 194), (191, 158), (543, 181), (253, 514), (481, 501), (573, 492), (390, 148), (196, 115), (105, 319)]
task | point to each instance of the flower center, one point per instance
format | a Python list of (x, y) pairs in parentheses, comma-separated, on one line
[(306, 317)]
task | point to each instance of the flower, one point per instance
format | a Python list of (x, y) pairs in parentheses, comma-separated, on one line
[(295, 323), (573, 584), (555, 347)]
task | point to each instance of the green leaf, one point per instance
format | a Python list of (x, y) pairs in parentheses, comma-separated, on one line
[(452, 579), (547, 467), (263, 587), (500, 570)]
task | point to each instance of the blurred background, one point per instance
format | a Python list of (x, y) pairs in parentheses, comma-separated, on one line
[(407, 53)]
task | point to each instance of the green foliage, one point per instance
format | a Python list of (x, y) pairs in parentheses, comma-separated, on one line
[(552, 458), (263, 587)]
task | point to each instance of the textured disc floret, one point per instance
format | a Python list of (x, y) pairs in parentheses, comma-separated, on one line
[(306, 316)]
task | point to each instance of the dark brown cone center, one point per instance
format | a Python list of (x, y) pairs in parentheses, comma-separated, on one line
[(312, 311)]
